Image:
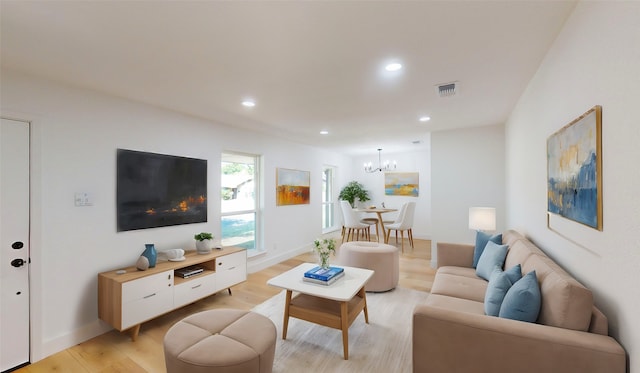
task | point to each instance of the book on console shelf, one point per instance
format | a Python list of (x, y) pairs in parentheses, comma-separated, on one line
[(323, 282), (188, 271), (324, 274)]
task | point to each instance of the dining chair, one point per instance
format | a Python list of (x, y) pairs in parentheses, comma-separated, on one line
[(405, 224), (398, 217), (352, 222), (370, 222)]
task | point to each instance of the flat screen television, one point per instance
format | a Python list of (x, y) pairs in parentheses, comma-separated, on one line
[(158, 190)]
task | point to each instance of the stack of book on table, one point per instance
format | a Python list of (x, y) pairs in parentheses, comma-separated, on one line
[(322, 276)]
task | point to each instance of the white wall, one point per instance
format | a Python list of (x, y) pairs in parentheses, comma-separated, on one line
[(594, 61), (411, 161), (75, 134), (467, 169)]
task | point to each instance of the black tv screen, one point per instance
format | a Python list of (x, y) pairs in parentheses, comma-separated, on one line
[(158, 190)]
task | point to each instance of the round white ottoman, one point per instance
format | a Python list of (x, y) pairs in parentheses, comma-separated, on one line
[(379, 257), (221, 341)]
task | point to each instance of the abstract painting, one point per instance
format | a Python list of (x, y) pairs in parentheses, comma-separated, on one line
[(292, 187), (574, 170), (401, 184)]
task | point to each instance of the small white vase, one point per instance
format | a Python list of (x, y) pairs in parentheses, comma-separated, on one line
[(204, 246)]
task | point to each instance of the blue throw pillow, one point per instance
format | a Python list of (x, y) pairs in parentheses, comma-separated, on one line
[(514, 273), (499, 283), (522, 302), (481, 241), (492, 256)]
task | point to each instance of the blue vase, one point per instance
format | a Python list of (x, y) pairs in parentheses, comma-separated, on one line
[(151, 254)]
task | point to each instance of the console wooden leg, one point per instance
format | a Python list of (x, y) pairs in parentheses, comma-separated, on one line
[(229, 291), (134, 332)]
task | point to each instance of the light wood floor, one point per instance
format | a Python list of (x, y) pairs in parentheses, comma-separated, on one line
[(114, 351)]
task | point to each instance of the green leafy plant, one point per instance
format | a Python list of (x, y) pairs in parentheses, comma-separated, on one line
[(324, 248), (203, 236), (352, 191)]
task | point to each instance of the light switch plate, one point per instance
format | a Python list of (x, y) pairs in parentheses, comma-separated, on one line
[(82, 199)]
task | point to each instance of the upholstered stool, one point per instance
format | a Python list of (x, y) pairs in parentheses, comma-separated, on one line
[(379, 257), (221, 341)]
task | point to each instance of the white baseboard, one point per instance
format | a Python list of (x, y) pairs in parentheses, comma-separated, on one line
[(77, 336)]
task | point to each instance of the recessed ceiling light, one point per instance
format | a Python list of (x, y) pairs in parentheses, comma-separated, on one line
[(424, 118), (395, 66), (248, 103), (324, 132)]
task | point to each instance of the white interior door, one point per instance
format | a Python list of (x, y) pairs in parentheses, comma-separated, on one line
[(14, 244)]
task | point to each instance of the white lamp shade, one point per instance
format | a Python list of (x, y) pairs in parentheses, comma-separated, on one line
[(482, 218)]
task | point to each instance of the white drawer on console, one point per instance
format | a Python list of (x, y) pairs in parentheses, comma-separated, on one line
[(146, 308), (231, 269), (194, 289), (145, 286)]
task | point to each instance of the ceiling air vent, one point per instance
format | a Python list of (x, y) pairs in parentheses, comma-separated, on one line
[(447, 89)]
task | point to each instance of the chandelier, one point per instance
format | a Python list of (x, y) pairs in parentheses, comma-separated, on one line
[(386, 166)]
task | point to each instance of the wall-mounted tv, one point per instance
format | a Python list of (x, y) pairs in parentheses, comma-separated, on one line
[(158, 190)]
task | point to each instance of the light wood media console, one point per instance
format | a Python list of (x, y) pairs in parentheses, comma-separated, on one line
[(126, 300)]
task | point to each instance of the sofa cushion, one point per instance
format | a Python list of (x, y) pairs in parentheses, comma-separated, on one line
[(481, 242), (565, 302), (463, 287), (522, 301), (519, 251), (499, 283), (509, 237), (493, 255), (459, 271), (455, 304)]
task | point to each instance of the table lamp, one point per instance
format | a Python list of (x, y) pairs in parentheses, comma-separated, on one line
[(482, 218)]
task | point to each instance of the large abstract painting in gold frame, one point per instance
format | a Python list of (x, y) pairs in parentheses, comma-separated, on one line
[(574, 170), (292, 187)]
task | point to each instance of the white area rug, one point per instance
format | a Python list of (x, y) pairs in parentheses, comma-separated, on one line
[(383, 345)]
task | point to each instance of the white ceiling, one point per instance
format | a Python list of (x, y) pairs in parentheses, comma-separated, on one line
[(309, 65)]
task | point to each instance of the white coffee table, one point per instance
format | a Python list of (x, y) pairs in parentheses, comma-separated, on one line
[(335, 306)]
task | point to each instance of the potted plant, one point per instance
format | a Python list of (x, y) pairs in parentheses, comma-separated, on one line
[(204, 242), (352, 191)]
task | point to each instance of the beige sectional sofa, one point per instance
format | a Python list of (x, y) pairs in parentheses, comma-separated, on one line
[(452, 333)]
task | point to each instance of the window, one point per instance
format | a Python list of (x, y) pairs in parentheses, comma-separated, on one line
[(239, 205), (328, 205)]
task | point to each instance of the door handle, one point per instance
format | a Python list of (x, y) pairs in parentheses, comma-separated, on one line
[(17, 245), (17, 262)]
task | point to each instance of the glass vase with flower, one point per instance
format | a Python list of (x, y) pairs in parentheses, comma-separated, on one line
[(324, 248)]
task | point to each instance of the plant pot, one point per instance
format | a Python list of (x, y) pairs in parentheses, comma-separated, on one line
[(204, 246)]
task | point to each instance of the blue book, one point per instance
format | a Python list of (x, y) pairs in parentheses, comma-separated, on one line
[(320, 273)]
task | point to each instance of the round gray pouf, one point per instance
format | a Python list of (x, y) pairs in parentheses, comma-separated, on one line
[(221, 341)]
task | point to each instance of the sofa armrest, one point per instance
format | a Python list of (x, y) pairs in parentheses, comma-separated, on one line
[(454, 254), (446, 340)]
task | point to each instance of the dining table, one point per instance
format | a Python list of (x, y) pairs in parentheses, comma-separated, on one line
[(379, 211)]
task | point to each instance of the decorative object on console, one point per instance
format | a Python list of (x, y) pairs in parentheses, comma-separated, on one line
[(324, 248), (402, 184), (574, 170), (151, 254), (292, 187), (142, 263), (174, 255), (386, 166), (204, 242)]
